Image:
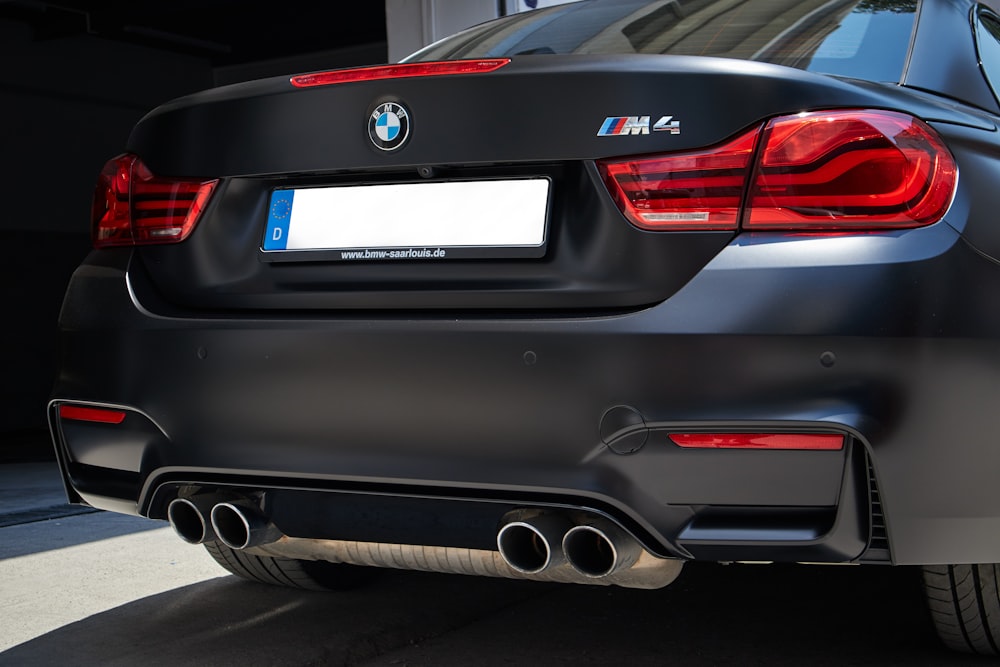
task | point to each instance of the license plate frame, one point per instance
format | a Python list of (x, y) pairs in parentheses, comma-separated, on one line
[(439, 220)]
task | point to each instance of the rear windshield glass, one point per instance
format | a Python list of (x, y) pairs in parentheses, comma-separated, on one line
[(865, 39)]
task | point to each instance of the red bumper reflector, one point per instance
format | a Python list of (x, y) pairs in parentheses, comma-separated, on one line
[(808, 441), (87, 414), (402, 71)]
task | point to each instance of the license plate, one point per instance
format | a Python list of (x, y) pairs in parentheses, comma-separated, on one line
[(410, 221)]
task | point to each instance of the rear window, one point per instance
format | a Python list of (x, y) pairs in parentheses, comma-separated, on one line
[(865, 39)]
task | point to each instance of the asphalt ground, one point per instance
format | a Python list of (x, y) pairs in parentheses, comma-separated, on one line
[(95, 588)]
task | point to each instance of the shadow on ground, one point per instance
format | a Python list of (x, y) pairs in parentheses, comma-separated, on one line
[(76, 525), (713, 615)]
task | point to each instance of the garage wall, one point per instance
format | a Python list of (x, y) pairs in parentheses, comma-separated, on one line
[(413, 24), (68, 105)]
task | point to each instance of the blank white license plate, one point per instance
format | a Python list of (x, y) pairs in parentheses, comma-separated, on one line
[(502, 218)]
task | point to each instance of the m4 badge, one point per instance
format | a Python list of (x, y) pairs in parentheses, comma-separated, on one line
[(617, 126)]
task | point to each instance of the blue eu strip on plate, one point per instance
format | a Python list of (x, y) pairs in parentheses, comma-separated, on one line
[(279, 218)]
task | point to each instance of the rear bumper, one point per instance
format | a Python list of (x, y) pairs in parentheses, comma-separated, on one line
[(368, 428)]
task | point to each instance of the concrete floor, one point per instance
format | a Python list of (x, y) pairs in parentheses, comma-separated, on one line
[(60, 564)]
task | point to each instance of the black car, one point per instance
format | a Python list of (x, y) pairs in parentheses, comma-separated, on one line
[(576, 295)]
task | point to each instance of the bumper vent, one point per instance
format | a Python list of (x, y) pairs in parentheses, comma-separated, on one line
[(878, 541)]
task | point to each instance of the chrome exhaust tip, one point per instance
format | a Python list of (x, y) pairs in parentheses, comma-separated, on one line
[(531, 545), (241, 527), (187, 516), (600, 549)]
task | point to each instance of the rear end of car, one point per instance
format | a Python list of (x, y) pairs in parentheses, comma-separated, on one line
[(564, 317)]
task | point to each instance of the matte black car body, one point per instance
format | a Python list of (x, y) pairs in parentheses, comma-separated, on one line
[(422, 402)]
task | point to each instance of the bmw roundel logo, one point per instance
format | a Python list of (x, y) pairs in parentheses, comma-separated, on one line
[(389, 126)]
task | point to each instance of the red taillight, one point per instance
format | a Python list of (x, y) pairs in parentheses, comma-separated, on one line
[(90, 414), (839, 170), (134, 207), (401, 71), (807, 441), (686, 191), (836, 171)]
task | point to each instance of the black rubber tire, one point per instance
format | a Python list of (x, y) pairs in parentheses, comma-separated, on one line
[(289, 572), (964, 601)]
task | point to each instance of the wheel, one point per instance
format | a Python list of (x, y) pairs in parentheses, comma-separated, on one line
[(310, 575), (965, 604)]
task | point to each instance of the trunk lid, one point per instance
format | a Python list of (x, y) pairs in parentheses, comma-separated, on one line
[(539, 117)]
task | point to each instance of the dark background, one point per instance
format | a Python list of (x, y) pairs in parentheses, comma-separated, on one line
[(74, 77)]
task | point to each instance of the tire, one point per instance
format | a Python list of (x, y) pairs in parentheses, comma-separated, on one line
[(964, 602), (289, 572)]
